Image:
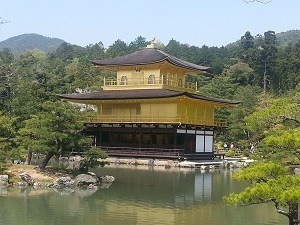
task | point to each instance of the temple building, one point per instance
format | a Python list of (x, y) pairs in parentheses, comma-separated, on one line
[(150, 110)]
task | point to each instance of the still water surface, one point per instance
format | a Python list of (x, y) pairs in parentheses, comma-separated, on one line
[(139, 196)]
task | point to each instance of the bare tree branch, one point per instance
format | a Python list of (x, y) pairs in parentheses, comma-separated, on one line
[(3, 21), (260, 1)]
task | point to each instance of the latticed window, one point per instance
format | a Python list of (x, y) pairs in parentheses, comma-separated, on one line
[(123, 80), (164, 79), (180, 83), (151, 79)]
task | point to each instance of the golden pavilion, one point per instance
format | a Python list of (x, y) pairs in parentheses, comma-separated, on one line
[(150, 110)]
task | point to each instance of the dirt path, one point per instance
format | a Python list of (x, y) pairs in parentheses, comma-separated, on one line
[(46, 175)]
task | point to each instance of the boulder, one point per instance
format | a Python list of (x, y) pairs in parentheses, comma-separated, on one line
[(4, 181), (237, 164), (169, 164), (107, 179), (63, 182), (297, 171), (86, 180), (76, 163), (151, 162), (17, 161), (27, 179)]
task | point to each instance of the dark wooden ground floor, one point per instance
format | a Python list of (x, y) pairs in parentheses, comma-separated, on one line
[(166, 141)]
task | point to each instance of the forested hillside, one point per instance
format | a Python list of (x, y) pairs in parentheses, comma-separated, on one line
[(282, 38), (289, 37), (22, 43), (263, 75)]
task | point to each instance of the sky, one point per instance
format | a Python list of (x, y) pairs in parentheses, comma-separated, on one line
[(192, 22)]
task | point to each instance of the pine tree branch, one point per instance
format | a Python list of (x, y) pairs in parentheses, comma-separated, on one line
[(280, 210), (284, 118)]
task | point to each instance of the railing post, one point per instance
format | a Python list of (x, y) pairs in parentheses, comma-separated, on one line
[(104, 81)]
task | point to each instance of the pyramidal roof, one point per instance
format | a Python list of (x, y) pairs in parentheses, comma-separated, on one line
[(149, 55)]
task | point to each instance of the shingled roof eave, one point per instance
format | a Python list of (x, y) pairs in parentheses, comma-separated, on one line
[(114, 66), (211, 99), (138, 97), (125, 64), (115, 62)]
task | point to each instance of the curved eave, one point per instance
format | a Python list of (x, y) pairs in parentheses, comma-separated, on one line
[(147, 56), (189, 70), (219, 101), (115, 99), (118, 96), (114, 67)]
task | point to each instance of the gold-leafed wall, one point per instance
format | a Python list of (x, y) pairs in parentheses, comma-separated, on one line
[(171, 110)]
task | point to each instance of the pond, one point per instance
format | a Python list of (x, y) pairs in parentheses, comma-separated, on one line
[(139, 195)]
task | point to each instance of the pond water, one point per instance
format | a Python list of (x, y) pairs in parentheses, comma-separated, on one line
[(139, 196)]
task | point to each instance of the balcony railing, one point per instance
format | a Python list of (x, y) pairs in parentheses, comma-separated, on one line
[(217, 122), (155, 81)]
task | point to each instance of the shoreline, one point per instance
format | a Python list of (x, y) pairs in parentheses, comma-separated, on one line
[(50, 173), (226, 163)]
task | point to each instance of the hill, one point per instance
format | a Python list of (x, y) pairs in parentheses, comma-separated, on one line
[(25, 42), (283, 38), (288, 37)]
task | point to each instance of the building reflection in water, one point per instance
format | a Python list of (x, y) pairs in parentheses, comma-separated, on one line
[(140, 196)]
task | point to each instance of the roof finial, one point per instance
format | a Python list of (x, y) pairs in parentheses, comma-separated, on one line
[(153, 42)]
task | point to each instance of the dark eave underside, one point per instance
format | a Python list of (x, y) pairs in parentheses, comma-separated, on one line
[(140, 94)]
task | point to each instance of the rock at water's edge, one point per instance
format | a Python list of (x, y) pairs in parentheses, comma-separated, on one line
[(86, 180), (63, 182), (4, 181), (107, 179), (27, 179)]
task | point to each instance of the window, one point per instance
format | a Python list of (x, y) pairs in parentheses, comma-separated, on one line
[(151, 79), (164, 79), (123, 80), (180, 83)]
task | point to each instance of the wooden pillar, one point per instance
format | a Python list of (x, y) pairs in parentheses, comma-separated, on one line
[(175, 138), (99, 137), (141, 137)]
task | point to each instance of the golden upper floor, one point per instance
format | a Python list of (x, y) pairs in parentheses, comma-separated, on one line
[(150, 68)]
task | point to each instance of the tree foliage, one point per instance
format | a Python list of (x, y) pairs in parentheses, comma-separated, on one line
[(52, 130), (7, 133), (276, 129), (247, 41), (271, 182)]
